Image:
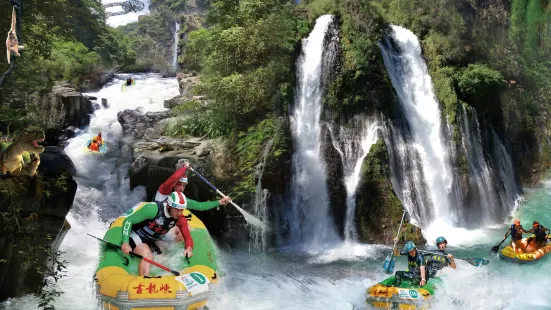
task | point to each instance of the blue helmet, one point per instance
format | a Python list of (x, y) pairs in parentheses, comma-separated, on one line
[(441, 239), (409, 246)]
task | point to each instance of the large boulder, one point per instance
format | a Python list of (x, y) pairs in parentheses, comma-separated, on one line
[(135, 123), (61, 108), (34, 223), (378, 209), (186, 82), (155, 161), (54, 161)]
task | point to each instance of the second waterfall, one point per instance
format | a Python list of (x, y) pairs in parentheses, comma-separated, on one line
[(310, 224)]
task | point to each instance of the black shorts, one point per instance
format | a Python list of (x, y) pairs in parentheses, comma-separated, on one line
[(152, 245)]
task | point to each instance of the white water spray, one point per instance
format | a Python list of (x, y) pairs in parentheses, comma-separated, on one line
[(309, 220)]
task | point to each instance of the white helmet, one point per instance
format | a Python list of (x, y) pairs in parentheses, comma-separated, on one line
[(177, 200), (183, 179)]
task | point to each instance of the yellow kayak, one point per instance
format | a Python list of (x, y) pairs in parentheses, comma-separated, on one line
[(508, 254)]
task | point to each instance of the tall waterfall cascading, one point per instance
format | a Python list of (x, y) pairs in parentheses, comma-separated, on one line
[(259, 240), (175, 48), (353, 144), (420, 107), (309, 222), (424, 162)]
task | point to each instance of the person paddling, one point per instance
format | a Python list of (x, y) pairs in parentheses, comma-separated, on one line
[(540, 237), (441, 259), (147, 222), (416, 265), (516, 231)]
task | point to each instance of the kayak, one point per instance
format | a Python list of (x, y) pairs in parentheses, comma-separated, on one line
[(508, 254), (124, 86), (408, 296), (119, 286), (102, 148)]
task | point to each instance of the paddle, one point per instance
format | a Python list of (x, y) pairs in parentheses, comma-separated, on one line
[(388, 265), (496, 248), (174, 272), (473, 261), (248, 217)]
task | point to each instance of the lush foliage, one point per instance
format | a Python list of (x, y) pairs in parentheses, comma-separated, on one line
[(245, 58)]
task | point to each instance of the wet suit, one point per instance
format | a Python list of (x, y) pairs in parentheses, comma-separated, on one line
[(166, 189), (437, 262), (414, 268), (148, 225)]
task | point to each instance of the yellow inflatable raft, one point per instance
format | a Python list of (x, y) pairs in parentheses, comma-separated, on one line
[(408, 296), (120, 288), (508, 254)]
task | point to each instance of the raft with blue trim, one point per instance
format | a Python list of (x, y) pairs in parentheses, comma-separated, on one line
[(119, 286), (408, 296), (522, 258), (102, 148)]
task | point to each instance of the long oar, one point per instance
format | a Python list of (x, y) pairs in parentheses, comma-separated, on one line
[(174, 272), (473, 261), (388, 265), (496, 248), (248, 217)]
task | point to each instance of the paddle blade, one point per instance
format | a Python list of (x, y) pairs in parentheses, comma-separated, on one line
[(388, 265), (477, 261), (494, 249)]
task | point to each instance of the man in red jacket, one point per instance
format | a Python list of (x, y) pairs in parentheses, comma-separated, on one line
[(177, 183)]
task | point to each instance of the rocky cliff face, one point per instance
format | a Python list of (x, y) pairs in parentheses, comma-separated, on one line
[(63, 107), (33, 217)]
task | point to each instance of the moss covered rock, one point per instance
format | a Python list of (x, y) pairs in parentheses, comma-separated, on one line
[(378, 209)]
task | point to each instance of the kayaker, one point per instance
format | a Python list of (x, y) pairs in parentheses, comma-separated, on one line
[(129, 81), (416, 265), (540, 237), (177, 183), (99, 139), (440, 259), (146, 226), (516, 236), (94, 146)]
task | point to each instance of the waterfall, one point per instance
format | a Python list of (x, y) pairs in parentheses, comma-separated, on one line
[(410, 78), (258, 240), (512, 195), (175, 48), (309, 220), (353, 144)]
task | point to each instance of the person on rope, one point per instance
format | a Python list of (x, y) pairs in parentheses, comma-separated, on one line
[(94, 145), (177, 183), (416, 265), (440, 259), (516, 236), (146, 224), (540, 237)]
